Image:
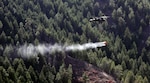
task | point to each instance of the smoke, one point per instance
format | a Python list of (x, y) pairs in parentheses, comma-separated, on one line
[(30, 50), (85, 46)]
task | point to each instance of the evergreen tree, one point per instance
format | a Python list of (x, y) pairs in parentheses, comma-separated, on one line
[(129, 77), (32, 74), (42, 78), (1, 24), (12, 74)]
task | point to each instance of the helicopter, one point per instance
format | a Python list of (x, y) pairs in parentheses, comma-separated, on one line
[(99, 19)]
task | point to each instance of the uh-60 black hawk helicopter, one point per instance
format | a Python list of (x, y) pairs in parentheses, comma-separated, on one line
[(99, 19)]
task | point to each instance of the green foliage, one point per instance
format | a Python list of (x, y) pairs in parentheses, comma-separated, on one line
[(85, 78), (129, 77), (1, 24), (12, 74), (148, 41), (118, 71), (42, 78), (32, 74), (64, 75)]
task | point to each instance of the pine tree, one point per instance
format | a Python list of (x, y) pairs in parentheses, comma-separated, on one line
[(1, 24), (12, 74), (129, 77), (32, 74), (138, 79), (42, 78), (145, 80)]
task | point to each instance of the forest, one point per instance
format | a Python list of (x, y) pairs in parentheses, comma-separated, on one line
[(127, 32)]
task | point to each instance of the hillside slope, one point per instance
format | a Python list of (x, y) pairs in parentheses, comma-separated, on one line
[(85, 72)]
